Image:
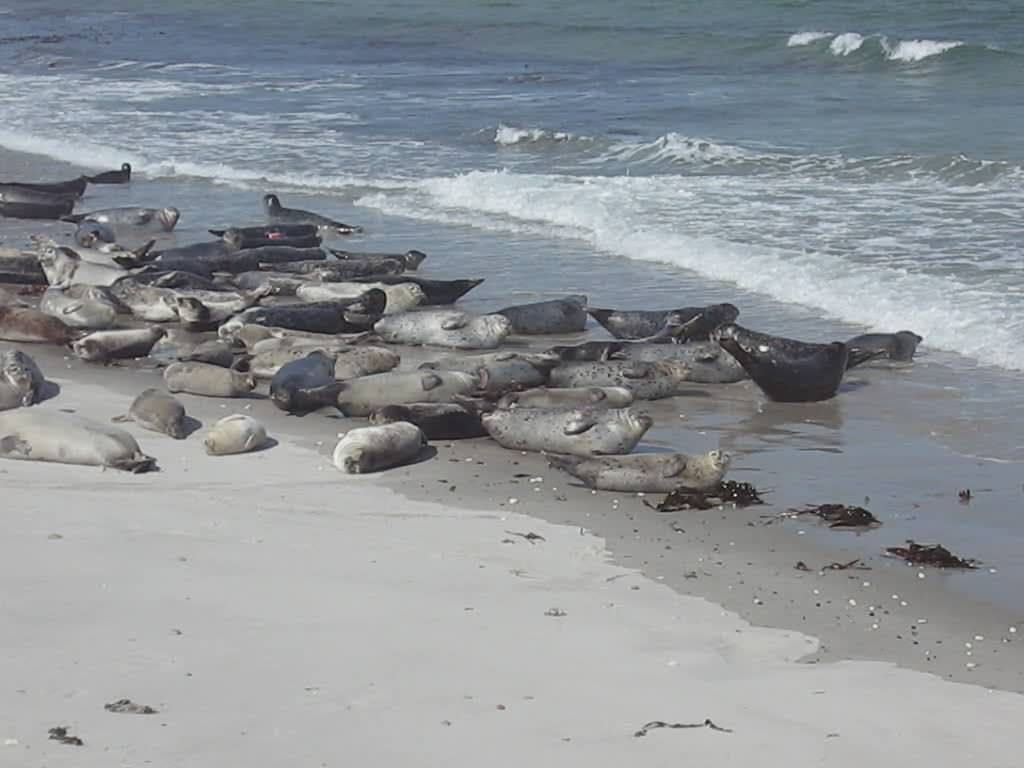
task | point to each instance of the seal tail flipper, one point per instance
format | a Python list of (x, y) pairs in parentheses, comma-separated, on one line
[(142, 253), (565, 462), (137, 464), (859, 355), (14, 447), (122, 418)]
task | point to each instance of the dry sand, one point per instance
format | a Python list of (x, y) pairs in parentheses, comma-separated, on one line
[(276, 612)]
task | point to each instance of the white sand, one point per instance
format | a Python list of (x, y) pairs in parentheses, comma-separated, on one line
[(278, 613)]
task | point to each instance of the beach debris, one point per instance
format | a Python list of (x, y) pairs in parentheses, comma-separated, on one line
[(556, 612), (930, 554), (854, 564), (530, 536), (60, 733), (802, 566), (727, 492), (129, 707), (841, 515), (655, 724), (965, 496)]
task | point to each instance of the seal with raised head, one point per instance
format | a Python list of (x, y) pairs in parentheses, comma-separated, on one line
[(357, 397), (568, 315), (91, 234), (278, 214), (337, 271), (294, 235), (438, 421), (445, 328), (32, 434), (122, 176), (647, 472), (578, 431), (305, 385), (64, 267), (207, 380), (30, 325), (370, 449), (235, 434), (647, 381), (129, 344), (642, 324), (786, 370), (81, 306), (21, 381), (145, 219), (157, 411), (568, 397), (899, 346)]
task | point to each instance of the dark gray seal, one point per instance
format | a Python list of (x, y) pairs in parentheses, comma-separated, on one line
[(899, 346), (122, 176), (278, 214), (157, 411), (438, 421), (306, 385), (786, 370), (568, 315), (437, 292), (294, 235), (695, 322), (349, 316)]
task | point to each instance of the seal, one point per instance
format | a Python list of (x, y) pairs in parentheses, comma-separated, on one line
[(205, 256), (364, 361), (157, 411), (445, 328), (578, 431), (647, 472), (278, 214), (568, 397), (400, 298), (104, 346), (337, 271), (235, 434), (587, 352), (647, 381), (30, 325), (37, 435), (24, 205), (357, 397), (899, 347), (72, 188), (568, 315), (17, 268), (329, 317), (439, 292), (786, 370), (438, 421), (410, 260), (146, 219), (21, 381), (81, 306), (122, 176), (279, 283), (305, 385), (90, 233), (295, 235), (64, 267), (207, 380), (214, 352), (499, 372), (371, 449), (206, 310), (697, 322), (705, 361)]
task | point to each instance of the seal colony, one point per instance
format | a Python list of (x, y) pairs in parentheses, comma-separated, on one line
[(320, 331)]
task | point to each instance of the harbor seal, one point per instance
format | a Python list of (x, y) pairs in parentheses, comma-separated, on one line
[(328, 317), (214, 352), (786, 370), (142, 219), (438, 292), (30, 325), (122, 176), (411, 260), (568, 315), (64, 267), (294, 235), (438, 421), (91, 234), (400, 298), (899, 347), (578, 431), (445, 328), (305, 385), (235, 434), (104, 346), (370, 449), (72, 188), (157, 411), (499, 371), (647, 381), (698, 322), (587, 352), (647, 472), (364, 361), (278, 214), (21, 381), (207, 380), (36, 435), (568, 397), (81, 306), (705, 361), (357, 397), (338, 271)]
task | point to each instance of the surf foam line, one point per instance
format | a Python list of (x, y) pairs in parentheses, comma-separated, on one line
[(950, 315)]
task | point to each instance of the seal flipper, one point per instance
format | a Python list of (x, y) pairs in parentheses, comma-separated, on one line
[(673, 466), (14, 447), (430, 381), (858, 355), (454, 323), (579, 424), (122, 418), (74, 218), (137, 464), (569, 465)]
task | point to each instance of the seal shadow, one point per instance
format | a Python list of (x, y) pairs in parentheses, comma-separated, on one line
[(429, 452), (48, 391), (271, 443), (854, 385)]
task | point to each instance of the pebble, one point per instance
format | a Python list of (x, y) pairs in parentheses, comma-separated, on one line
[(979, 638), (10, 742), (922, 621), (851, 601), (920, 574), (1013, 630), (513, 501)]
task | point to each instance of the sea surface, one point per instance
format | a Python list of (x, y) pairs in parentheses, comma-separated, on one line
[(830, 167)]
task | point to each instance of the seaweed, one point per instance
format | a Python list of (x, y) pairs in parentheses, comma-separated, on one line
[(841, 515), (662, 724), (60, 733), (127, 706), (930, 554), (727, 492)]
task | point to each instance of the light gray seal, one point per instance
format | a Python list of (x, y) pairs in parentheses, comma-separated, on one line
[(38, 435), (92, 307), (370, 449), (235, 434), (567, 315), (357, 397), (207, 380), (641, 324), (580, 432), (104, 346), (647, 381), (25, 324), (787, 370), (145, 219), (499, 372), (438, 421), (445, 328), (899, 347), (157, 411), (568, 397), (278, 214), (21, 381), (647, 472), (705, 361)]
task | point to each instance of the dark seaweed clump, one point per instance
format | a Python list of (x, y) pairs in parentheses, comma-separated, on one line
[(727, 492), (842, 515), (930, 554)]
